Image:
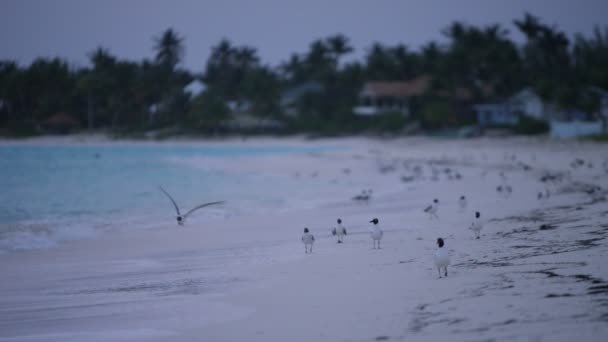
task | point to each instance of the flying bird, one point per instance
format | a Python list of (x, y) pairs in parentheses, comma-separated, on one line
[(181, 218)]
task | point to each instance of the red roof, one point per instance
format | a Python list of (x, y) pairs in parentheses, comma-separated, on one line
[(414, 87)]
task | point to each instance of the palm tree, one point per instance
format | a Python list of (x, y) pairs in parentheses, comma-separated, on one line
[(338, 45), (292, 70), (169, 48)]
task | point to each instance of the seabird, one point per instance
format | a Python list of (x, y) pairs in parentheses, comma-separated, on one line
[(595, 192), (308, 239), (181, 218), (504, 190), (477, 225), (432, 209), (503, 177), (376, 233), (339, 231), (543, 195), (442, 258), (364, 196), (462, 203)]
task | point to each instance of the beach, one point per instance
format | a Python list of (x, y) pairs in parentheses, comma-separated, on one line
[(239, 272)]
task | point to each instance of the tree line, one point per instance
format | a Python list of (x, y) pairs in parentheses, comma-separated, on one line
[(127, 96)]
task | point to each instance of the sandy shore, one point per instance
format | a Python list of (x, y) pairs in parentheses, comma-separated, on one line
[(536, 274)]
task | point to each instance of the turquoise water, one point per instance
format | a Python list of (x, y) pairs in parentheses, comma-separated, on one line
[(68, 184)]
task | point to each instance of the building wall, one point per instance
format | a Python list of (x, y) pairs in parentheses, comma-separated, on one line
[(534, 108), (573, 129)]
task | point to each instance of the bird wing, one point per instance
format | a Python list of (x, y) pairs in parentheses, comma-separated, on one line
[(202, 206), (333, 232), (344, 230), (172, 200), (427, 209)]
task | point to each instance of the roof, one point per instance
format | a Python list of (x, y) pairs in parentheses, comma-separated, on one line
[(524, 94), (62, 118), (414, 87)]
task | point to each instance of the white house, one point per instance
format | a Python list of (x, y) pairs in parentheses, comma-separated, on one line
[(528, 103), (525, 102)]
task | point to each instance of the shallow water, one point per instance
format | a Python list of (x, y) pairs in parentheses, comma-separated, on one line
[(52, 193)]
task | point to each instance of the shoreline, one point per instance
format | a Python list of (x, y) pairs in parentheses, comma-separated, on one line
[(536, 273)]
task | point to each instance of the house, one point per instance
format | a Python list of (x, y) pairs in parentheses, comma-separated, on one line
[(380, 97), (499, 114), (60, 123), (575, 123), (507, 112), (289, 98), (573, 129), (528, 103), (195, 88)]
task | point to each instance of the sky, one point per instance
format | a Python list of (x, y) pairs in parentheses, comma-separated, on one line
[(71, 29)]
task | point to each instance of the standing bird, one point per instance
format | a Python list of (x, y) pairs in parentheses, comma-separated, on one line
[(376, 233), (432, 209), (477, 225), (308, 240), (543, 195), (505, 190), (339, 231), (364, 196), (181, 218), (442, 258), (462, 203)]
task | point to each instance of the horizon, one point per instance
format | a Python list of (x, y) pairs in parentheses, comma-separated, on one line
[(48, 29)]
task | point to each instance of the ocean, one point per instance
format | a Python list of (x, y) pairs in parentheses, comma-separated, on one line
[(52, 193)]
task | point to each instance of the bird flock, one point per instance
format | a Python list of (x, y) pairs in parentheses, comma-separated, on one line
[(442, 257)]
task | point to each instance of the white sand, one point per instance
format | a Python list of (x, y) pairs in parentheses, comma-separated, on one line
[(247, 278)]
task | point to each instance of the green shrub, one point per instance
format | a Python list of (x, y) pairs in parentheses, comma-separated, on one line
[(531, 126)]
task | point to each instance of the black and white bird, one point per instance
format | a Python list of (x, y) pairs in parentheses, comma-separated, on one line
[(462, 203), (339, 231), (308, 239), (543, 195), (182, 218), (432, 209), (442, 258), (505, 190), (364, 196), (596, 193), (376, 233), (477, 225)]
